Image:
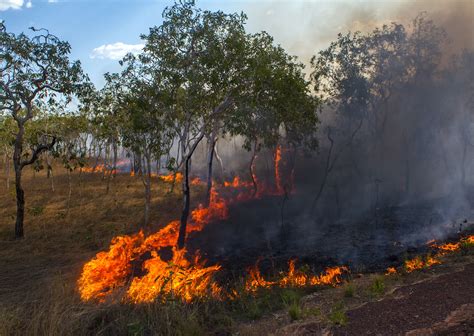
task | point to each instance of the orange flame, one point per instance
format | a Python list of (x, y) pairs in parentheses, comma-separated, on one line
[(255, 280), (196, 181), (295, 278), (98, 169), (180, 277), (418, 263), (178, 177), (277, 170), (391, 271)]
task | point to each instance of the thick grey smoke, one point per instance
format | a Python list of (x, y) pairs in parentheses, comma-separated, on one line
[(401, 178)]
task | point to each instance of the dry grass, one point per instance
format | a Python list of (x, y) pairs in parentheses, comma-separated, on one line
[(39, 272)]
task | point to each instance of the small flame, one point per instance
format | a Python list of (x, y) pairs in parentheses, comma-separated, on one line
[(277, 170), (178, 177), (294, 278), (98, 169), (418, 263), (391, 271)]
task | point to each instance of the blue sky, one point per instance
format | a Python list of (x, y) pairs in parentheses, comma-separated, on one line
[(101, 31)]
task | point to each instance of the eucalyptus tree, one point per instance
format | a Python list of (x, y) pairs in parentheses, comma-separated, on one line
[(275, 104), (145, 123), (361, 79), (34, 70), (216, 73), (7, 131), (197, 56), (108, 120)]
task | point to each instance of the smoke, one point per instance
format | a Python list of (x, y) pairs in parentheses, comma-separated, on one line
[(406, 176), (309, 26)]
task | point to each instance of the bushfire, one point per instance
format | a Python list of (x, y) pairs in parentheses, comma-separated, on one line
[(135, 270), (419, 262)]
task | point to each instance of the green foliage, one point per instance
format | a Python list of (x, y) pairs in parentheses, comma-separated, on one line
[(377, 288), (295, 311), (338, 315)]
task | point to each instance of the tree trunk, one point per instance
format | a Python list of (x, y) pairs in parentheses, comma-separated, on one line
[(186, 194), (20, 194), (69, 191), (186, 202), (7, 169), (147, 183), (218, 158), (252, 170), (210, 157)]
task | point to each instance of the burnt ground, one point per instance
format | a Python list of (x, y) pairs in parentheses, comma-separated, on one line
[(365, 243), (441, 306)]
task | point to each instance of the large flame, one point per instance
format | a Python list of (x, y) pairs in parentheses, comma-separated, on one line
[(181, 277), (135, 261)]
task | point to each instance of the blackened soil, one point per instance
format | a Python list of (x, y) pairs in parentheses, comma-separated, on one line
[(426, 308)]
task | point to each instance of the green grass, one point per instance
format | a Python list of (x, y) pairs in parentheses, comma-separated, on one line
[(377, 288), (338, 316)]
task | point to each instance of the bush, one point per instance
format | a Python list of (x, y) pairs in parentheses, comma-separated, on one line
[(377, 287), (337, 315)]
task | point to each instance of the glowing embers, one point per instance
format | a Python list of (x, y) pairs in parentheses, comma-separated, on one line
[(391, 271), (295, 278)]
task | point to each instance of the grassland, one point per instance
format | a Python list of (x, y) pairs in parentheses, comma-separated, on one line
[(38, 274)]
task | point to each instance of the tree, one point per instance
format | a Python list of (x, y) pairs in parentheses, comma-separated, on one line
[(145, 122), (196, 55), (35, 71), (215, 74)]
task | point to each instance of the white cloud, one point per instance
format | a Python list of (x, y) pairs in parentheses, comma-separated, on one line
[(115, 51), (10, 4), (52, 1), (29, 4)]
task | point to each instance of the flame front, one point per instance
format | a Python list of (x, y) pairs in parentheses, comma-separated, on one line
[(179, 277), (332, 276)]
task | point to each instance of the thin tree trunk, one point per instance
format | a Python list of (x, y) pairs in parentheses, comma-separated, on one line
[(186, 202), (20, 194), (69, 191), (186, 195), (50, 172), (210, 157), (7, 169), (146, 179), (252, 170), (218, 158)]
